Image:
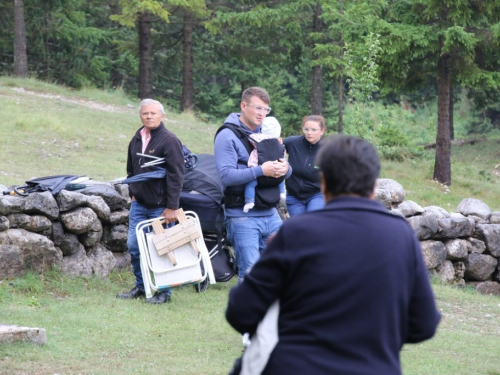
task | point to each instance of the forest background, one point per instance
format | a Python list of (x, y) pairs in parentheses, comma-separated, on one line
[(339, 58)]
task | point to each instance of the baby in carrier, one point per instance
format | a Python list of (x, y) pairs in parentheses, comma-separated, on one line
[(271, 128)]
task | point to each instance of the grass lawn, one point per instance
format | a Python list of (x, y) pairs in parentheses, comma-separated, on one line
[(90, 331)]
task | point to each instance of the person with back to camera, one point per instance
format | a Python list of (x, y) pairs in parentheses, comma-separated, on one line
[(157, 197), (350, 278), (302, 188), (271, 129), (247, 231)]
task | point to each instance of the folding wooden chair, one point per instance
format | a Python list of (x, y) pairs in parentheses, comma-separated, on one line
[(173, 256)]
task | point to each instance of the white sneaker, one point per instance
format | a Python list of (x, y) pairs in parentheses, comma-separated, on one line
[(248, 206)]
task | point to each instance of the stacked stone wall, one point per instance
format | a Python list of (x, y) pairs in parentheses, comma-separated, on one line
[(461, 247), (81, 232), (84, 233)]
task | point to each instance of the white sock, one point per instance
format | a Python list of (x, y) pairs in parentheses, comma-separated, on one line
[(248, 206)]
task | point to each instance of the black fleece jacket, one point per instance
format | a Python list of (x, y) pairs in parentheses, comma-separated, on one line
[(163, 192), (304, 181)]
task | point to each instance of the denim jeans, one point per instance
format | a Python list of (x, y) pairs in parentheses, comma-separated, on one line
[(248, 235), (137, 214), (297, 206)]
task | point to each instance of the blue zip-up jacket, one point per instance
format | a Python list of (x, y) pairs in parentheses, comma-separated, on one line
[(231, 158)]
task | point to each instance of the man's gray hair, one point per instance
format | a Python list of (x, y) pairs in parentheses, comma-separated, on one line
[(151, 101)]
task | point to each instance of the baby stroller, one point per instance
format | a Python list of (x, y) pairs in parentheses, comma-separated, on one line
[(202, 194)]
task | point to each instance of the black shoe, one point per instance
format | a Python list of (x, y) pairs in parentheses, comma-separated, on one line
[(134, 293), (159, 297)]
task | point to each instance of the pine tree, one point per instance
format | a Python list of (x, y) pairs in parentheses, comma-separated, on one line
[(20, 55), (424, 39), (144, 13)]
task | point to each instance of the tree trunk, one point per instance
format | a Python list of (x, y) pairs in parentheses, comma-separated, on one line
[(187, 102), (145, 57), (48, 72), (340, 128), (317, 70), (442, 165), (20, 55), (317, 90), (116, 77), (452, 127)]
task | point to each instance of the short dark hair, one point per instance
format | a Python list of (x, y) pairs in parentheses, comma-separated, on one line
[(316, 118), (255, 91), (349, 165)]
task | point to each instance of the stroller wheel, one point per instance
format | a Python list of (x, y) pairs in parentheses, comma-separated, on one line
[(201, 287)]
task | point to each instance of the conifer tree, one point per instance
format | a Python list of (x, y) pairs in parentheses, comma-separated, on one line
[(20, 55), (142, 13), (447, 40)]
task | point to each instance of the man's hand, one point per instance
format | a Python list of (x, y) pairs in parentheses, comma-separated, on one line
[(268, 169), (275, 168), (170, 215), (282, 167)]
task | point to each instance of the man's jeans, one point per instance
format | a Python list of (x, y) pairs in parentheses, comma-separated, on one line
[(297, 206), (137, 214), (248, 236)]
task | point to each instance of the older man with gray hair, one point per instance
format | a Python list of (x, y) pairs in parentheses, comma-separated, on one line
[(154, 197)]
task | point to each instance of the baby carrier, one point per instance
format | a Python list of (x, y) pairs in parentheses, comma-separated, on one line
[(267, 193), (202, 193)]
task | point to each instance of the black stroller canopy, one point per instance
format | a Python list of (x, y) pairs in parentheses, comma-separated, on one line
[(204, 179)]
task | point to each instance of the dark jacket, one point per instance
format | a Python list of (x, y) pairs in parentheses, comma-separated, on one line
[(157, 192), (353, 288), (304, 181)]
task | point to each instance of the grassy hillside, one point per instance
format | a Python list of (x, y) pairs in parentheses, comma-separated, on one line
[(47, 130)]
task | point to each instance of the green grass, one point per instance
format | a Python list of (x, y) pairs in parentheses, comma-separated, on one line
[(475, 174), (90, 331), (55, 130), (49, 130), (469, 325)]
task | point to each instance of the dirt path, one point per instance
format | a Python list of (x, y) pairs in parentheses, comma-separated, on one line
[(84, 102)]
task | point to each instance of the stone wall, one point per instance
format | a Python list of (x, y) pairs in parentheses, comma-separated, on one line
[(84, 232), (461, 247)]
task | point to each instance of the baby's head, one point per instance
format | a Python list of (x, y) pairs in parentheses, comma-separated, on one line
[(271, 127)]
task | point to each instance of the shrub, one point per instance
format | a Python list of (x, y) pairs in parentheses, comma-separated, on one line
[(401, 153), (388, 135)]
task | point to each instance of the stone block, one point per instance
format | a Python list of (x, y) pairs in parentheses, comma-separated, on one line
[(12, 333)]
